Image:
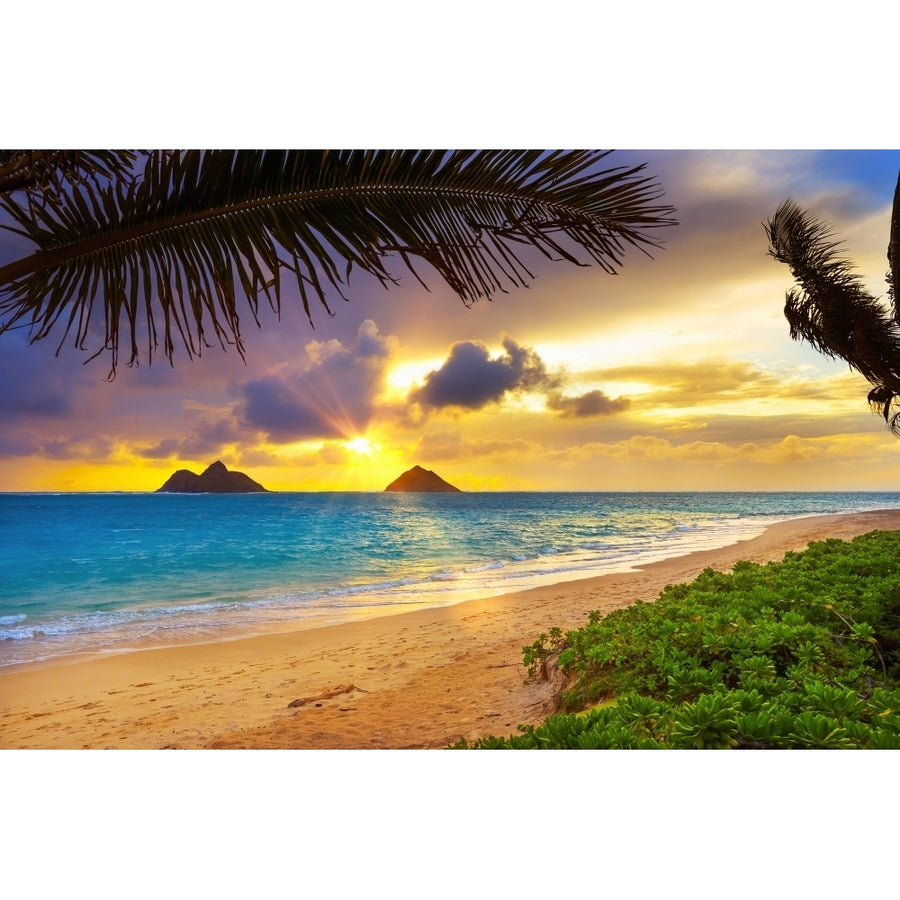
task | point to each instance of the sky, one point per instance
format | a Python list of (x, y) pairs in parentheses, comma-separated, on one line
[(714, 394), (678, 373)]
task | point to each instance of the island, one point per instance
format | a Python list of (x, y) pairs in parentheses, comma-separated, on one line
[(419, 480), (216, 479)]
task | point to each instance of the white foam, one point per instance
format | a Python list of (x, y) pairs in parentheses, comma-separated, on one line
[(619, 545)]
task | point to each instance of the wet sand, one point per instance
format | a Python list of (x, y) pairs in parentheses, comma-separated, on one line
[(422, 679)]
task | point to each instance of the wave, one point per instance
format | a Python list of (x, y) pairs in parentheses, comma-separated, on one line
[(125, 628), (486, 567), (222, 581)]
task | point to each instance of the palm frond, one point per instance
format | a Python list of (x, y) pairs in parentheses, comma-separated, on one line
[(830, 308), (893, 253), (166, 256), (40, 170)]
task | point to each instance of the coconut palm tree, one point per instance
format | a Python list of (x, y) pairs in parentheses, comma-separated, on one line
[(832, 310), (160, 245)]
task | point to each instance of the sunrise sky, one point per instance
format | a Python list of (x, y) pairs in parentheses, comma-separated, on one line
[(676, 374)]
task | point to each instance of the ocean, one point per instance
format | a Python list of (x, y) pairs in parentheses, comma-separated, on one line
[(102, 573)]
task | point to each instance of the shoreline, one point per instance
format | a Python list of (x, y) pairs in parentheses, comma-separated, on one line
[(396, 596), (417, 679), (378, 601)]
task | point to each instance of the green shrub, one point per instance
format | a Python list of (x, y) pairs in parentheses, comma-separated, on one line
[(799, 653)]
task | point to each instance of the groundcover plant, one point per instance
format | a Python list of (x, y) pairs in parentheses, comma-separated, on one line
[(801, 653)]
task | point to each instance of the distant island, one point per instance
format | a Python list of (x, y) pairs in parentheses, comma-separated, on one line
[(216, 479), (419, 480)]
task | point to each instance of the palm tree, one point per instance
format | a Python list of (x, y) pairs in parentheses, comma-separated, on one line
[(162, 243), (833, 311)]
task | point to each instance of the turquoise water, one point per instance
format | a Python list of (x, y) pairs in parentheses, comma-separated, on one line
[(110, 572)]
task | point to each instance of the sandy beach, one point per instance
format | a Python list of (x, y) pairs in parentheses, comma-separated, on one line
[(422, 679)]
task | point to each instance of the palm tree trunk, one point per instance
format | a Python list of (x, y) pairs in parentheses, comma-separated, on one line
[(894, 252)]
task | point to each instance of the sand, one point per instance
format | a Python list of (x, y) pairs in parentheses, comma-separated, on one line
[(422, 679)]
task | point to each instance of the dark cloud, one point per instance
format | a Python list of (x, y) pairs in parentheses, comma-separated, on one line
[(206, 440), (165, 449), (586, 406), (44, 398), (18, 444), (35, 385), (333, 397), (80, 446), (471, 379)]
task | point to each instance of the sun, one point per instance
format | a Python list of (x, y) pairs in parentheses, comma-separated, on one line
[(361, 445)]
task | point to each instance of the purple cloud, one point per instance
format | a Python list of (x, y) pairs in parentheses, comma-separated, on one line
[(333, 397), (471, 379), (35, 385), (205, 440)]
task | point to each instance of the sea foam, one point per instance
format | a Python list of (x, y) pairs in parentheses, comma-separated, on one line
[(110, 572)]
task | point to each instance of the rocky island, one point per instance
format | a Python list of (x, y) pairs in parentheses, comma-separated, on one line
[(216, 479), (419, 480)]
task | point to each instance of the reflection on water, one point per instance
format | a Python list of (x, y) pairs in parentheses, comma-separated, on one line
[(111, 571)]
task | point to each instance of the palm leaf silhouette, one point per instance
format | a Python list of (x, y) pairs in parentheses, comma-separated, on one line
[(40, 170), (832, 310), (165, 253)]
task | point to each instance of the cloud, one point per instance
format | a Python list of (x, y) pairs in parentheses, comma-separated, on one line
[(329, 454), (590, 405), (791, 449), (333, 397), (471, 379), (724, 381), (687, 384), (18, 444), (444, 445), (206, 440), (697, 459), (35, 385), (82, 447)]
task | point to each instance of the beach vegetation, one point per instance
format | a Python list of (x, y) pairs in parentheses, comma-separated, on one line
[(536, 655), (156, 248), (832, 310), (799, 653)]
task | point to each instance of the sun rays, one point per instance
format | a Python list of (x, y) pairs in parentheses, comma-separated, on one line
[(362, 446)]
